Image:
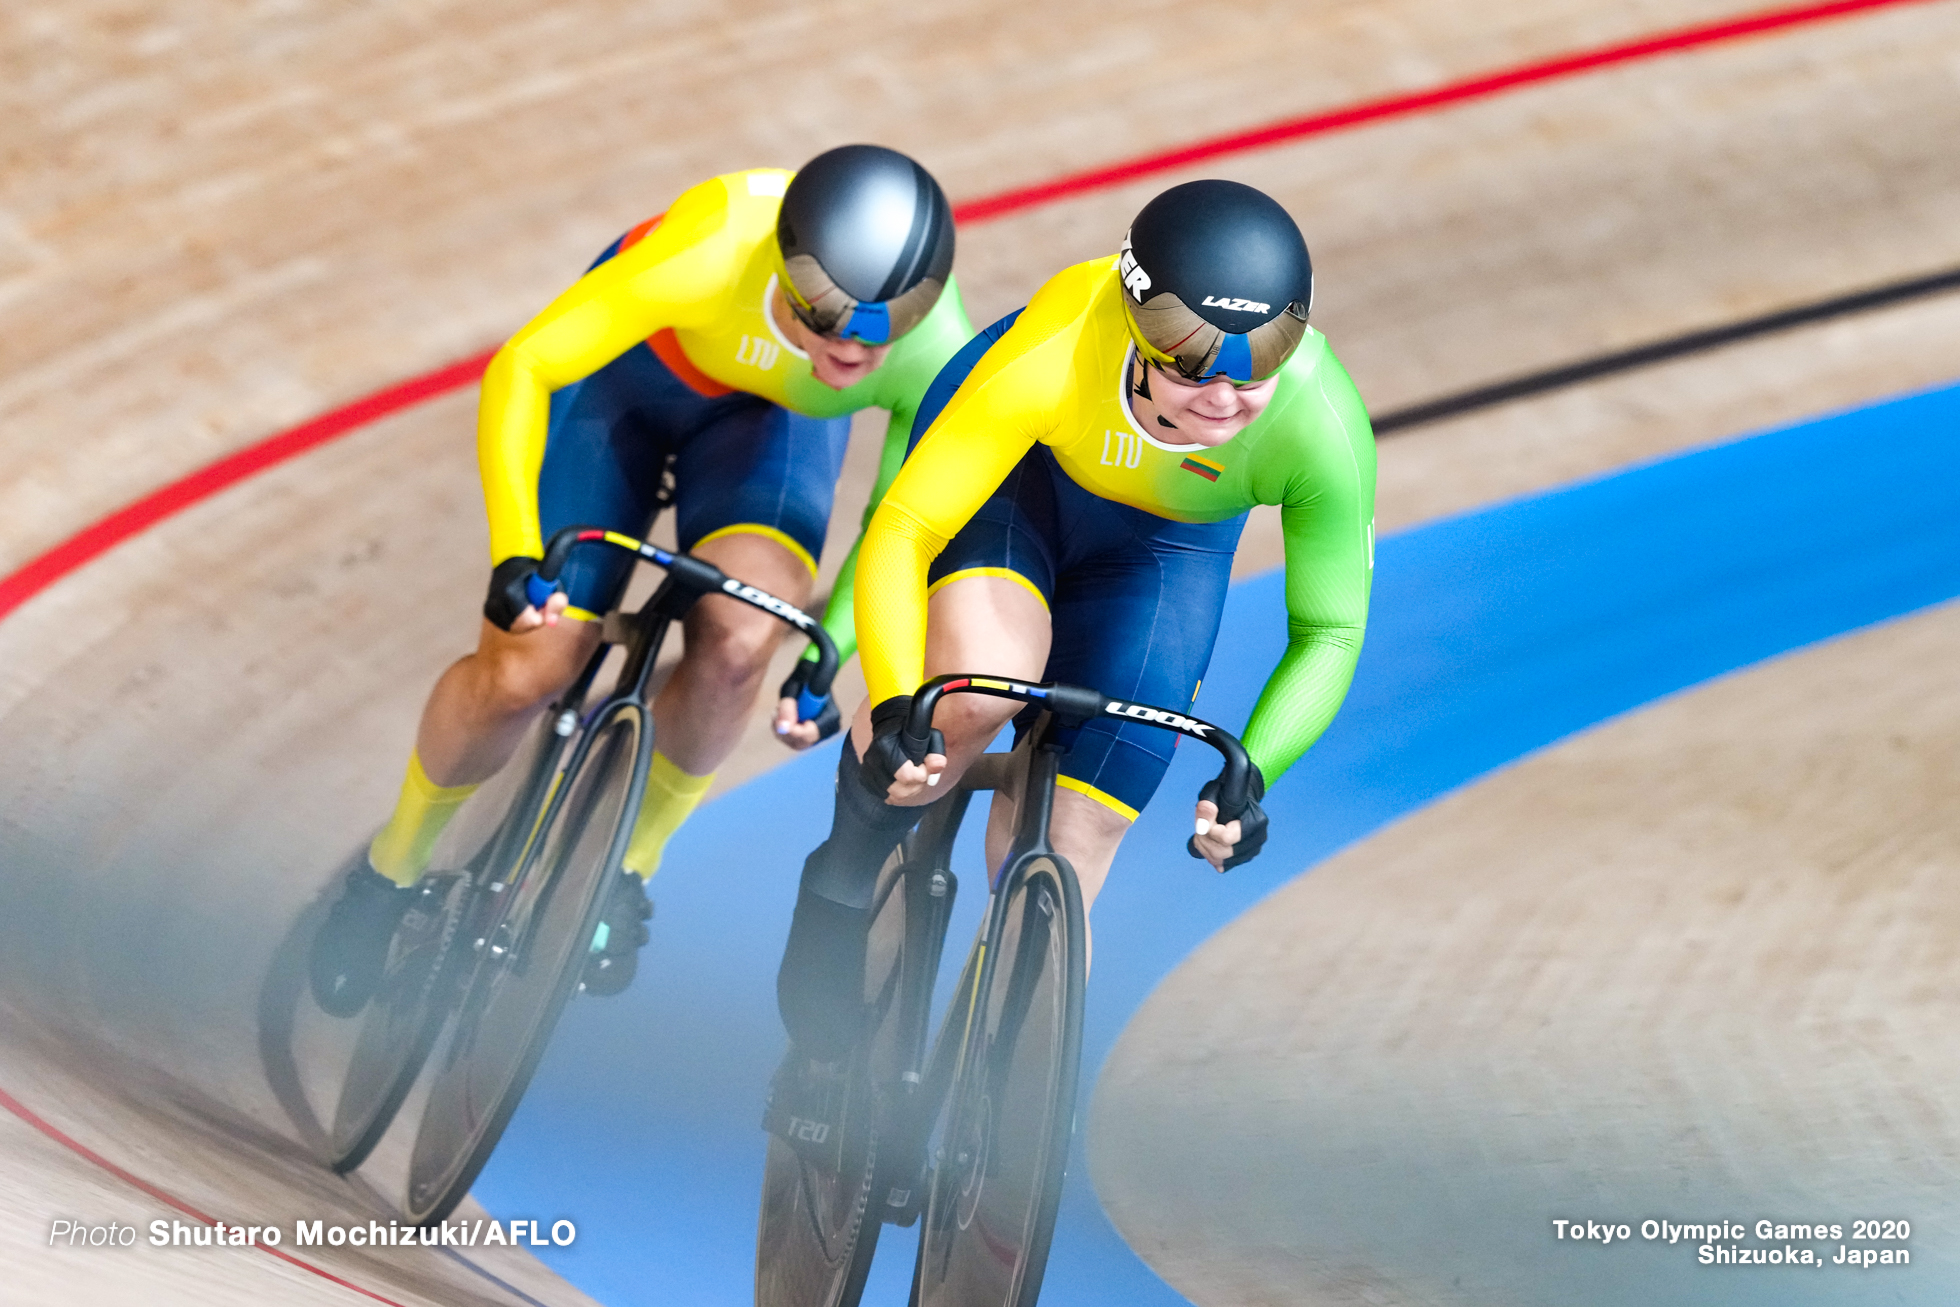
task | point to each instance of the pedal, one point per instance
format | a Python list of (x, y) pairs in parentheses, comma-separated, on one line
[(903, 1203)]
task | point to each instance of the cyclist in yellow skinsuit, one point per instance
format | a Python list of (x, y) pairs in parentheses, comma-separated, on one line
[(731, 337), (1071, 513)]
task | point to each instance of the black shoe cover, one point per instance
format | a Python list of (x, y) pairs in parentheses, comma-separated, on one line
[(349, 953), (624, 930), (820, 985)]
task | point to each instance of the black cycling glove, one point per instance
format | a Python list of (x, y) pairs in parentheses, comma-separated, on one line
[(511, 582), (1252, 822), (797, 686), (889, 750)]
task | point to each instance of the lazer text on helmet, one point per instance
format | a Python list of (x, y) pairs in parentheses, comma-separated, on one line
[(1238, 306)]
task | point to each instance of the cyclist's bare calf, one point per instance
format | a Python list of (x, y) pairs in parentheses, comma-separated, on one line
[(482, 705)]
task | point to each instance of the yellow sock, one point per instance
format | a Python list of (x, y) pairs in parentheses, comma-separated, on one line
[(402, 850), (671, 795)]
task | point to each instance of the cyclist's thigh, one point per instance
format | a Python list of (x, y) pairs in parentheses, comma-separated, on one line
[(728, 631), (983, 624), (988, 591), (755, 468), (761, 561), (609, 439), (1136, 609)]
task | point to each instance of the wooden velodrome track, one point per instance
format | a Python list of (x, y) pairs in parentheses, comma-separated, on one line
[(215, 227)]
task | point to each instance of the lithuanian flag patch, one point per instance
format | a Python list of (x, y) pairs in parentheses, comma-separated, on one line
[(1203, 467)]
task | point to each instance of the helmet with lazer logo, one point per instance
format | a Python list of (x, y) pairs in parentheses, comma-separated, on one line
[(866, 241), (1216, 282)]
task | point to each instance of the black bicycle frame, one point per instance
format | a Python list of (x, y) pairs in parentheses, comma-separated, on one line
[(927, 1078), (688, 579)]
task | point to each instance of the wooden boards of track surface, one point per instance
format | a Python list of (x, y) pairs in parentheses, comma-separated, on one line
[(227, 222), (1695, 963)]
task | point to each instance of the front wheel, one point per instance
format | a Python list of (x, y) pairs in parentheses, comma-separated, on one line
[(529, 962), (998, 1171)]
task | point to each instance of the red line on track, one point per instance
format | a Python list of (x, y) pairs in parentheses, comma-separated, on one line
[(97, 539), (1400, 106), (20, 1110)]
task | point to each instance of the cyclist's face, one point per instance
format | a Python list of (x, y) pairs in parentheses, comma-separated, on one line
[(839, 364), (1206, 413), (842, 363)]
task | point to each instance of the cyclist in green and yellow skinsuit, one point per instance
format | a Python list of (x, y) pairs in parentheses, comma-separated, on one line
[(1070, 513), (732, 336)]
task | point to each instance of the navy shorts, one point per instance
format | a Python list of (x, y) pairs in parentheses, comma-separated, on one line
[(741, 464), (1134, 599)]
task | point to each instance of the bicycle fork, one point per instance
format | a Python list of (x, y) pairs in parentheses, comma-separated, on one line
[(924, 1088)]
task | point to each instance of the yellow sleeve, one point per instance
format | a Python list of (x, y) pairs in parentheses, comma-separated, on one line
[(1007, 402), (670, 279)]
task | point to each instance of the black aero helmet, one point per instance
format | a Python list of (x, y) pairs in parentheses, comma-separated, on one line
[(866, 239), (1217, 282)]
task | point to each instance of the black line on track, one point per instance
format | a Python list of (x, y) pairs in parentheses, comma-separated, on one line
[(1659, 351)]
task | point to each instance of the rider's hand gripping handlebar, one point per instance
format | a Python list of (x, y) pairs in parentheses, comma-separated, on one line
[(810, 707), (1075, 705), (699, 577), (538, 590)]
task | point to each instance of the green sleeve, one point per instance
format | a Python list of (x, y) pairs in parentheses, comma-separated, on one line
[(837, 617), (914, 361), (1327, 513)]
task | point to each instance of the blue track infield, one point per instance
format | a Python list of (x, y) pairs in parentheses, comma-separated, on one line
[(1493, 634)]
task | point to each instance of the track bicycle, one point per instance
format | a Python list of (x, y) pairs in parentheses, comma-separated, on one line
[(965, 1132), (494, 952)]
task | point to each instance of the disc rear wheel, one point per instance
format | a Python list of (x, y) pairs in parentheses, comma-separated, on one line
[(423, 972), (401, 1022), (816, 1233)]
